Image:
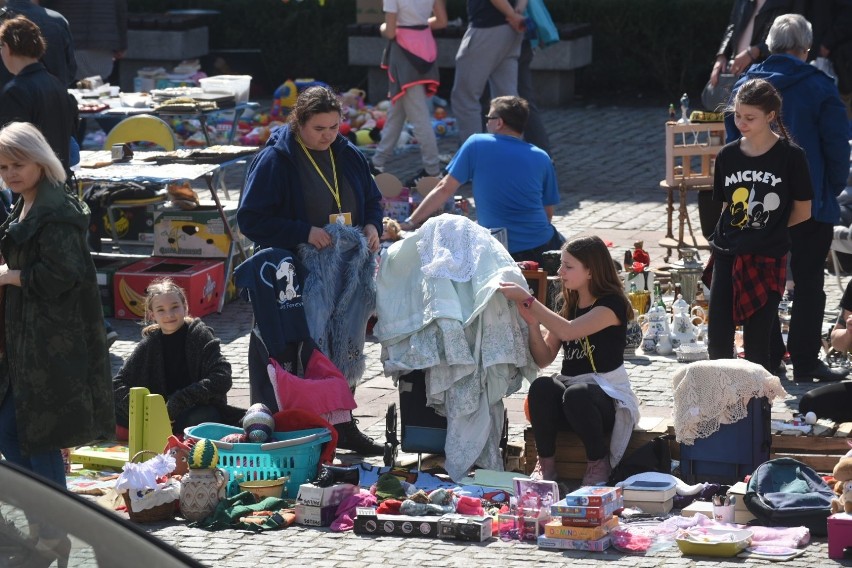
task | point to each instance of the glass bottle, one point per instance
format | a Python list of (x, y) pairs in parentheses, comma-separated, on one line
[(658, 297)]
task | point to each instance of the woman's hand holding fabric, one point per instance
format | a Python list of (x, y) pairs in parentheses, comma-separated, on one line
[(372, 235), (319, 238), (514, 292)]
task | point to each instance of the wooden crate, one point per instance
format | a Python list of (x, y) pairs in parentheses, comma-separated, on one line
[(821, 450), (691, 150), (571, 455)]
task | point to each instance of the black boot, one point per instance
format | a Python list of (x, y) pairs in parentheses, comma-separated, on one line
[(329, 475), (349, 437)]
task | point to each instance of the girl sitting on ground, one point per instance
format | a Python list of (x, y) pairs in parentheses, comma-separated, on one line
[(179, 357), (592, 394)]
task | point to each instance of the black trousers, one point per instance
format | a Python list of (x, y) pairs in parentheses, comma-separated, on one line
[(584, 409), (555, 243), (720, 329), (811, 242)]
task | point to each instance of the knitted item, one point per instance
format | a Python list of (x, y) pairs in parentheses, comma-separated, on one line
[(389, 507), (469, 506), (389, 486), (710, 393)]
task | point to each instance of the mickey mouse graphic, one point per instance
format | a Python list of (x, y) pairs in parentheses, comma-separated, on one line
[(746, 211)]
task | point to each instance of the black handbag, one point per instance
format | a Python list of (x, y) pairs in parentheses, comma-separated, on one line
[(654, 455)]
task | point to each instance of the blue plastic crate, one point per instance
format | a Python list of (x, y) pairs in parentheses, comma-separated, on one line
[(294, 455)]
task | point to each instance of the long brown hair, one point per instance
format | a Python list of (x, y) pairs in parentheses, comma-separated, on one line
[(594, 255), (762, 94), (159, 287)]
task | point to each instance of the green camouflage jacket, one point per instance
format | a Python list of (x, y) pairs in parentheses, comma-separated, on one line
[(56, 363)]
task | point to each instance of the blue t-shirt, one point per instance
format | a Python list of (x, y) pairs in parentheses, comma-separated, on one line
[(512, 182)]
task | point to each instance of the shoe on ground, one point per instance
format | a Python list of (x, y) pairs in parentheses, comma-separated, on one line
[(349, 437), (111, 337), (780, 370), (411, 183), (597, 472), (820, 372), (374, 169)]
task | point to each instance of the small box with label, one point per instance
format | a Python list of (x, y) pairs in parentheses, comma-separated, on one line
[(314, 496), (368, 522), (311, 516)]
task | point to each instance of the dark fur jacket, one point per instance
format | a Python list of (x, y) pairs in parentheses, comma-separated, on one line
[(210, 372)]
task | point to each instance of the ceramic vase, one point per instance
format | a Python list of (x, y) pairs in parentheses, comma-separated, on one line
[(200, 492)]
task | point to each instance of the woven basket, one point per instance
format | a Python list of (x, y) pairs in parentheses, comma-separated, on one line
[(157, 513)]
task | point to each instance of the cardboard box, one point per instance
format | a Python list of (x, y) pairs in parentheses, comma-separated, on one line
[(368, 522), (369, 12), (311, 516), (587, 515), (652, 507), (657, 491), (698, 508), (105, 268), (202, 280), (565, 544), (133, 225), (516, 527), (593, 496), (311, 495), (198, 233), (555, 529), (465, 527)]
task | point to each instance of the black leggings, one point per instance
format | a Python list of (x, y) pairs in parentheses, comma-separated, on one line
[(830, 401), (582, 408)]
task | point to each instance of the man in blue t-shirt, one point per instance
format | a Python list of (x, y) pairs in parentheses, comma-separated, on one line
[(514, 183)]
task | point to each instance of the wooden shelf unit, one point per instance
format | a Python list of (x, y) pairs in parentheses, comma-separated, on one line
[(688, 143)]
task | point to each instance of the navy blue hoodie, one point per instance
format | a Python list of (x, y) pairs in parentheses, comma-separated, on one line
[(815, 118), (272, 208)]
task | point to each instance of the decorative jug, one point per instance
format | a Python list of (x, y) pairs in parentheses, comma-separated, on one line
[(664, 344), (683, 331), (200, 492), (634, 337)]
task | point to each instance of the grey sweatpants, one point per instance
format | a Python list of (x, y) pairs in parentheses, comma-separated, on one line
[(412, 106), (486, 55)]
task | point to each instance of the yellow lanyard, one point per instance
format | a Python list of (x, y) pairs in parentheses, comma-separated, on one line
[(335, 191)]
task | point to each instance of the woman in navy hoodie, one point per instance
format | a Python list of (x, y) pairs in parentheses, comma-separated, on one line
[(307, 177)]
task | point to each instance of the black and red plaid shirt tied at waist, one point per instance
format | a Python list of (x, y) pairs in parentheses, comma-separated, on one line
[(754, 277)]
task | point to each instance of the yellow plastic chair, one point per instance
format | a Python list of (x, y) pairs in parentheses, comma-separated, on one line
[(142, 128), (149, 427)]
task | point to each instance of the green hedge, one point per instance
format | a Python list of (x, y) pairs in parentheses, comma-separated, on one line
[(647, 47)]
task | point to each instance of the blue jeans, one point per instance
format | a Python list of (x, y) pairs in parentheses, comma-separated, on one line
[(47, 464)]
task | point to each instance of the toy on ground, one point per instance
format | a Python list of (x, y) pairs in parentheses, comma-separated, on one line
[(843, 485)]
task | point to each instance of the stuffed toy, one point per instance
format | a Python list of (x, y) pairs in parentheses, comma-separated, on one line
[(843, 485)]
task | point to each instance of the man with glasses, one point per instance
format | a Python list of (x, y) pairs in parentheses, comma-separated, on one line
[(514, 183)]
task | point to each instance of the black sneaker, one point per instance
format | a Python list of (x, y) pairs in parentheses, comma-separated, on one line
[(374, 169), (349, 437), (411, 182)]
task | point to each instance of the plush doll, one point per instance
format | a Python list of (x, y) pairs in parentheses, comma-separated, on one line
[(843, 485)]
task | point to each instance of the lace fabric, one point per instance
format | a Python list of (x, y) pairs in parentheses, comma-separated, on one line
[(450, 247), (708, 394)]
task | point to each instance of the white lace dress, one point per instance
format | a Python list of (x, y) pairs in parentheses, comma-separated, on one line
[(439, 310)]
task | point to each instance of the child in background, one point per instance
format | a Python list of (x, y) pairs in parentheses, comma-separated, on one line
[(412, 77), (179, 358), (592, 394), (762, 182)]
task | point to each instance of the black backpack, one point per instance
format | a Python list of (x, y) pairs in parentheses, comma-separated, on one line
[(785, 492)]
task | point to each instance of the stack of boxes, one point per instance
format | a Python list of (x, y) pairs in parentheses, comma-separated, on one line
[(654, 497), (583, 519), (190, 247), (742, 516), (317, 506)]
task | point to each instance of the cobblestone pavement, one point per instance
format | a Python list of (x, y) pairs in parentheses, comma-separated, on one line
[(609, 162)]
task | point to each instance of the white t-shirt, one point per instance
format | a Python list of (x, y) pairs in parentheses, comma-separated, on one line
[(410, 12)]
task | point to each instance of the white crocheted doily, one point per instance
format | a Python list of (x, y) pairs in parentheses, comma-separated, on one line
[(450, 246), (710, 393)]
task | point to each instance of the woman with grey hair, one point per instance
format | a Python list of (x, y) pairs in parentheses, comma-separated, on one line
[(816, 119)]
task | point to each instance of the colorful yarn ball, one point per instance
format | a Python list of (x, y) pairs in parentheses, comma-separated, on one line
[(203, 455), (258, 407), (258, 426)]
